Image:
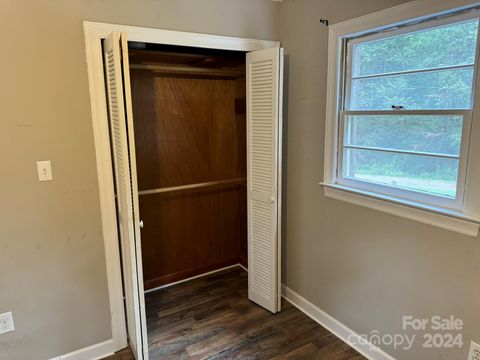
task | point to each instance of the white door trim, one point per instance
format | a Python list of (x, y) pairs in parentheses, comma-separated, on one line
[(94, 33)]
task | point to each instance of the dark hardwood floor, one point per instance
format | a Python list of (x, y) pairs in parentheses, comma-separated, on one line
[(211, 318)]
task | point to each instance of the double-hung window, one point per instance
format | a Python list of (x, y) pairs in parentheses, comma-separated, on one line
[(404, 111)]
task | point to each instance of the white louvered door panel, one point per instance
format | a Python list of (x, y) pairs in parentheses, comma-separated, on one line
[(123, 147), (264, 81)]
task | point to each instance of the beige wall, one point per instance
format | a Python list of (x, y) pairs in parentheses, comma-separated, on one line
[(363, 267), (52, 267)]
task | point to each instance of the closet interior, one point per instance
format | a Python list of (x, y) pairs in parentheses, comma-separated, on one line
[(189, 111)]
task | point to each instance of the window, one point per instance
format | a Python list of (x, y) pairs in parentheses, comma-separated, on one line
[(406, 113), (402, 131)]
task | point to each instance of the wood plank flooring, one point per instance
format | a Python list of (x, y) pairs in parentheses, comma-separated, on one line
[(212, 318)]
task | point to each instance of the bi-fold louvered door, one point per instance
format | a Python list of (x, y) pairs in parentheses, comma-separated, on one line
[(264, 84), (264, 90), (123, 148)]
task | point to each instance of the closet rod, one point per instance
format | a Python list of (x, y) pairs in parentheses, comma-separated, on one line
[(191, 186), (190, 70)]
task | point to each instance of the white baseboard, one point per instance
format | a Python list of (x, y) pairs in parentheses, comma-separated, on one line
[(194, 277), (94, 352), (243, 267), (340, 330)]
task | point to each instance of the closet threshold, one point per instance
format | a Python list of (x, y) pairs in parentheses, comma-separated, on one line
[(203, 185)]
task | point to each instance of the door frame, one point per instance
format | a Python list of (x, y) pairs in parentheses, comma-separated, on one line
[(94, 34)]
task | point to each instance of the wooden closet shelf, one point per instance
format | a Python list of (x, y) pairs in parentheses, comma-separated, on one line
[(204, 185)]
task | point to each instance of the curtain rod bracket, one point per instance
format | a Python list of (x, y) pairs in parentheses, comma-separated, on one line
[(324, 21)]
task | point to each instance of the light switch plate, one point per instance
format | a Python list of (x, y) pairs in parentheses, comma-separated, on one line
[(44, 169), (6, 323)]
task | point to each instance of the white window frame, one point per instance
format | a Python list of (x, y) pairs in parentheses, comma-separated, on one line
[(461, 214)]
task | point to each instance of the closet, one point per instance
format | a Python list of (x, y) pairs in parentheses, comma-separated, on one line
[(195, 141), (189, 115)]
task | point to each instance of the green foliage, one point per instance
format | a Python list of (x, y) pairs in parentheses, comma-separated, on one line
[(428, 133), (450, 45)]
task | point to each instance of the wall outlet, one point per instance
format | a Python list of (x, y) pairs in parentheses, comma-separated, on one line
[(474, 353), (6, 323)]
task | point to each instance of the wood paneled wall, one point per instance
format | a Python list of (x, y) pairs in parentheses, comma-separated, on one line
[(188, 131)]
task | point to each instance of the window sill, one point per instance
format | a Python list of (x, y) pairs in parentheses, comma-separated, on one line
[(446, 219)]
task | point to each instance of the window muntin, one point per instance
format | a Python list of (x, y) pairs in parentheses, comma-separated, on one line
[(428, 174), (418, 154), (413, 152), (432, 48), (429, 134), (432, 90)]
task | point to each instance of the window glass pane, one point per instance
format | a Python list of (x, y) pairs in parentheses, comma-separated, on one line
[(441, 134), (431, 175), (449, 45), (436, 90)]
